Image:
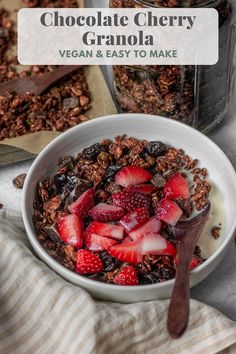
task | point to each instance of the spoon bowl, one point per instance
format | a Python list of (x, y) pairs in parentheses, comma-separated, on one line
[(37, 84)]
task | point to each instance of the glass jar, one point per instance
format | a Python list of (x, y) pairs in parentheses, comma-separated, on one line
[(196, 95)]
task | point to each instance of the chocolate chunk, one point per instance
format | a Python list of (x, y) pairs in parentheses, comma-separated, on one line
[(52, 233), (81, 186), (71, 102), (18, 182), (66, 162), (158, 181), (215, 231)]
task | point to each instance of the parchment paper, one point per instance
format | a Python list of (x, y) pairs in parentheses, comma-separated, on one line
[(101, 103)]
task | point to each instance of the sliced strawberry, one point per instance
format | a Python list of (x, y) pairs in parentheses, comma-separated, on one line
[(98, 243), (127, 252), (131, 175), (177, 187), (107, 230), (83, 204), (70, 228), (130, 201), (127, 239), (88, 262), (157, 245), (106, 212), (127, 276), (195, 262), (152, 225), (142, 188), (168, 211), (135, 218)]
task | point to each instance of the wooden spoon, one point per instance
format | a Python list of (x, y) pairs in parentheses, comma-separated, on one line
[(37, 84), (186, 234)]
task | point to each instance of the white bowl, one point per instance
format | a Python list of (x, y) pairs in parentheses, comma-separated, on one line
[(144, 127)]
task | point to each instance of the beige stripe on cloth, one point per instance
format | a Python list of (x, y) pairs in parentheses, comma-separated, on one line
[(40, 313)]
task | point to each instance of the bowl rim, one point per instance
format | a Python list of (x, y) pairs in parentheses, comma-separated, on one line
[(82, 280)]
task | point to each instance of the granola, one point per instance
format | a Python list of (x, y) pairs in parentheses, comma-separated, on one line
[(216, 230), (18, 182), (162, 3), (105, 212), (61, 107), (51, 3), (174, 91)]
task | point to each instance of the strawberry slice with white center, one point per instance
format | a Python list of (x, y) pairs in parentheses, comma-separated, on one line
[(127, 252), (98, 243), (131, 175), (130, 200), (127, 276), (154, 244), (107, 230), (142, 188), (168, 211), (195, 262), (127, 239), (83, 204), (152, 225), (106, 212), (177, 187), (70, 228), (88, 262), (135, 218)]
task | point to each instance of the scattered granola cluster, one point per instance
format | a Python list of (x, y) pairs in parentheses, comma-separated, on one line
[(7, 40), (18, 181), (100, 186), (216, 230), (62, 107)]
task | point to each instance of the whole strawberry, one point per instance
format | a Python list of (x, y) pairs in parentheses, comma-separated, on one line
[(127, 276), (88, 263)]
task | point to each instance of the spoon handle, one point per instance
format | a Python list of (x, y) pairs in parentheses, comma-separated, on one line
[(179, 306), (46, 80)]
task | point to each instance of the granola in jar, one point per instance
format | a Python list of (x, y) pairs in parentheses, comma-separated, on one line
[(196, 95)]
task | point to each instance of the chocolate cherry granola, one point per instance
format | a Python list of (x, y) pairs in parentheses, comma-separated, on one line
[(106, 213), (195, 95), (61, 107)]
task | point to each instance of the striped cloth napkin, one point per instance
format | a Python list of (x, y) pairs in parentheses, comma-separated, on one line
[(40, 313)]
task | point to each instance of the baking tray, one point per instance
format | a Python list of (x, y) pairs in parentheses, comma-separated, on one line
[(11, 154)]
